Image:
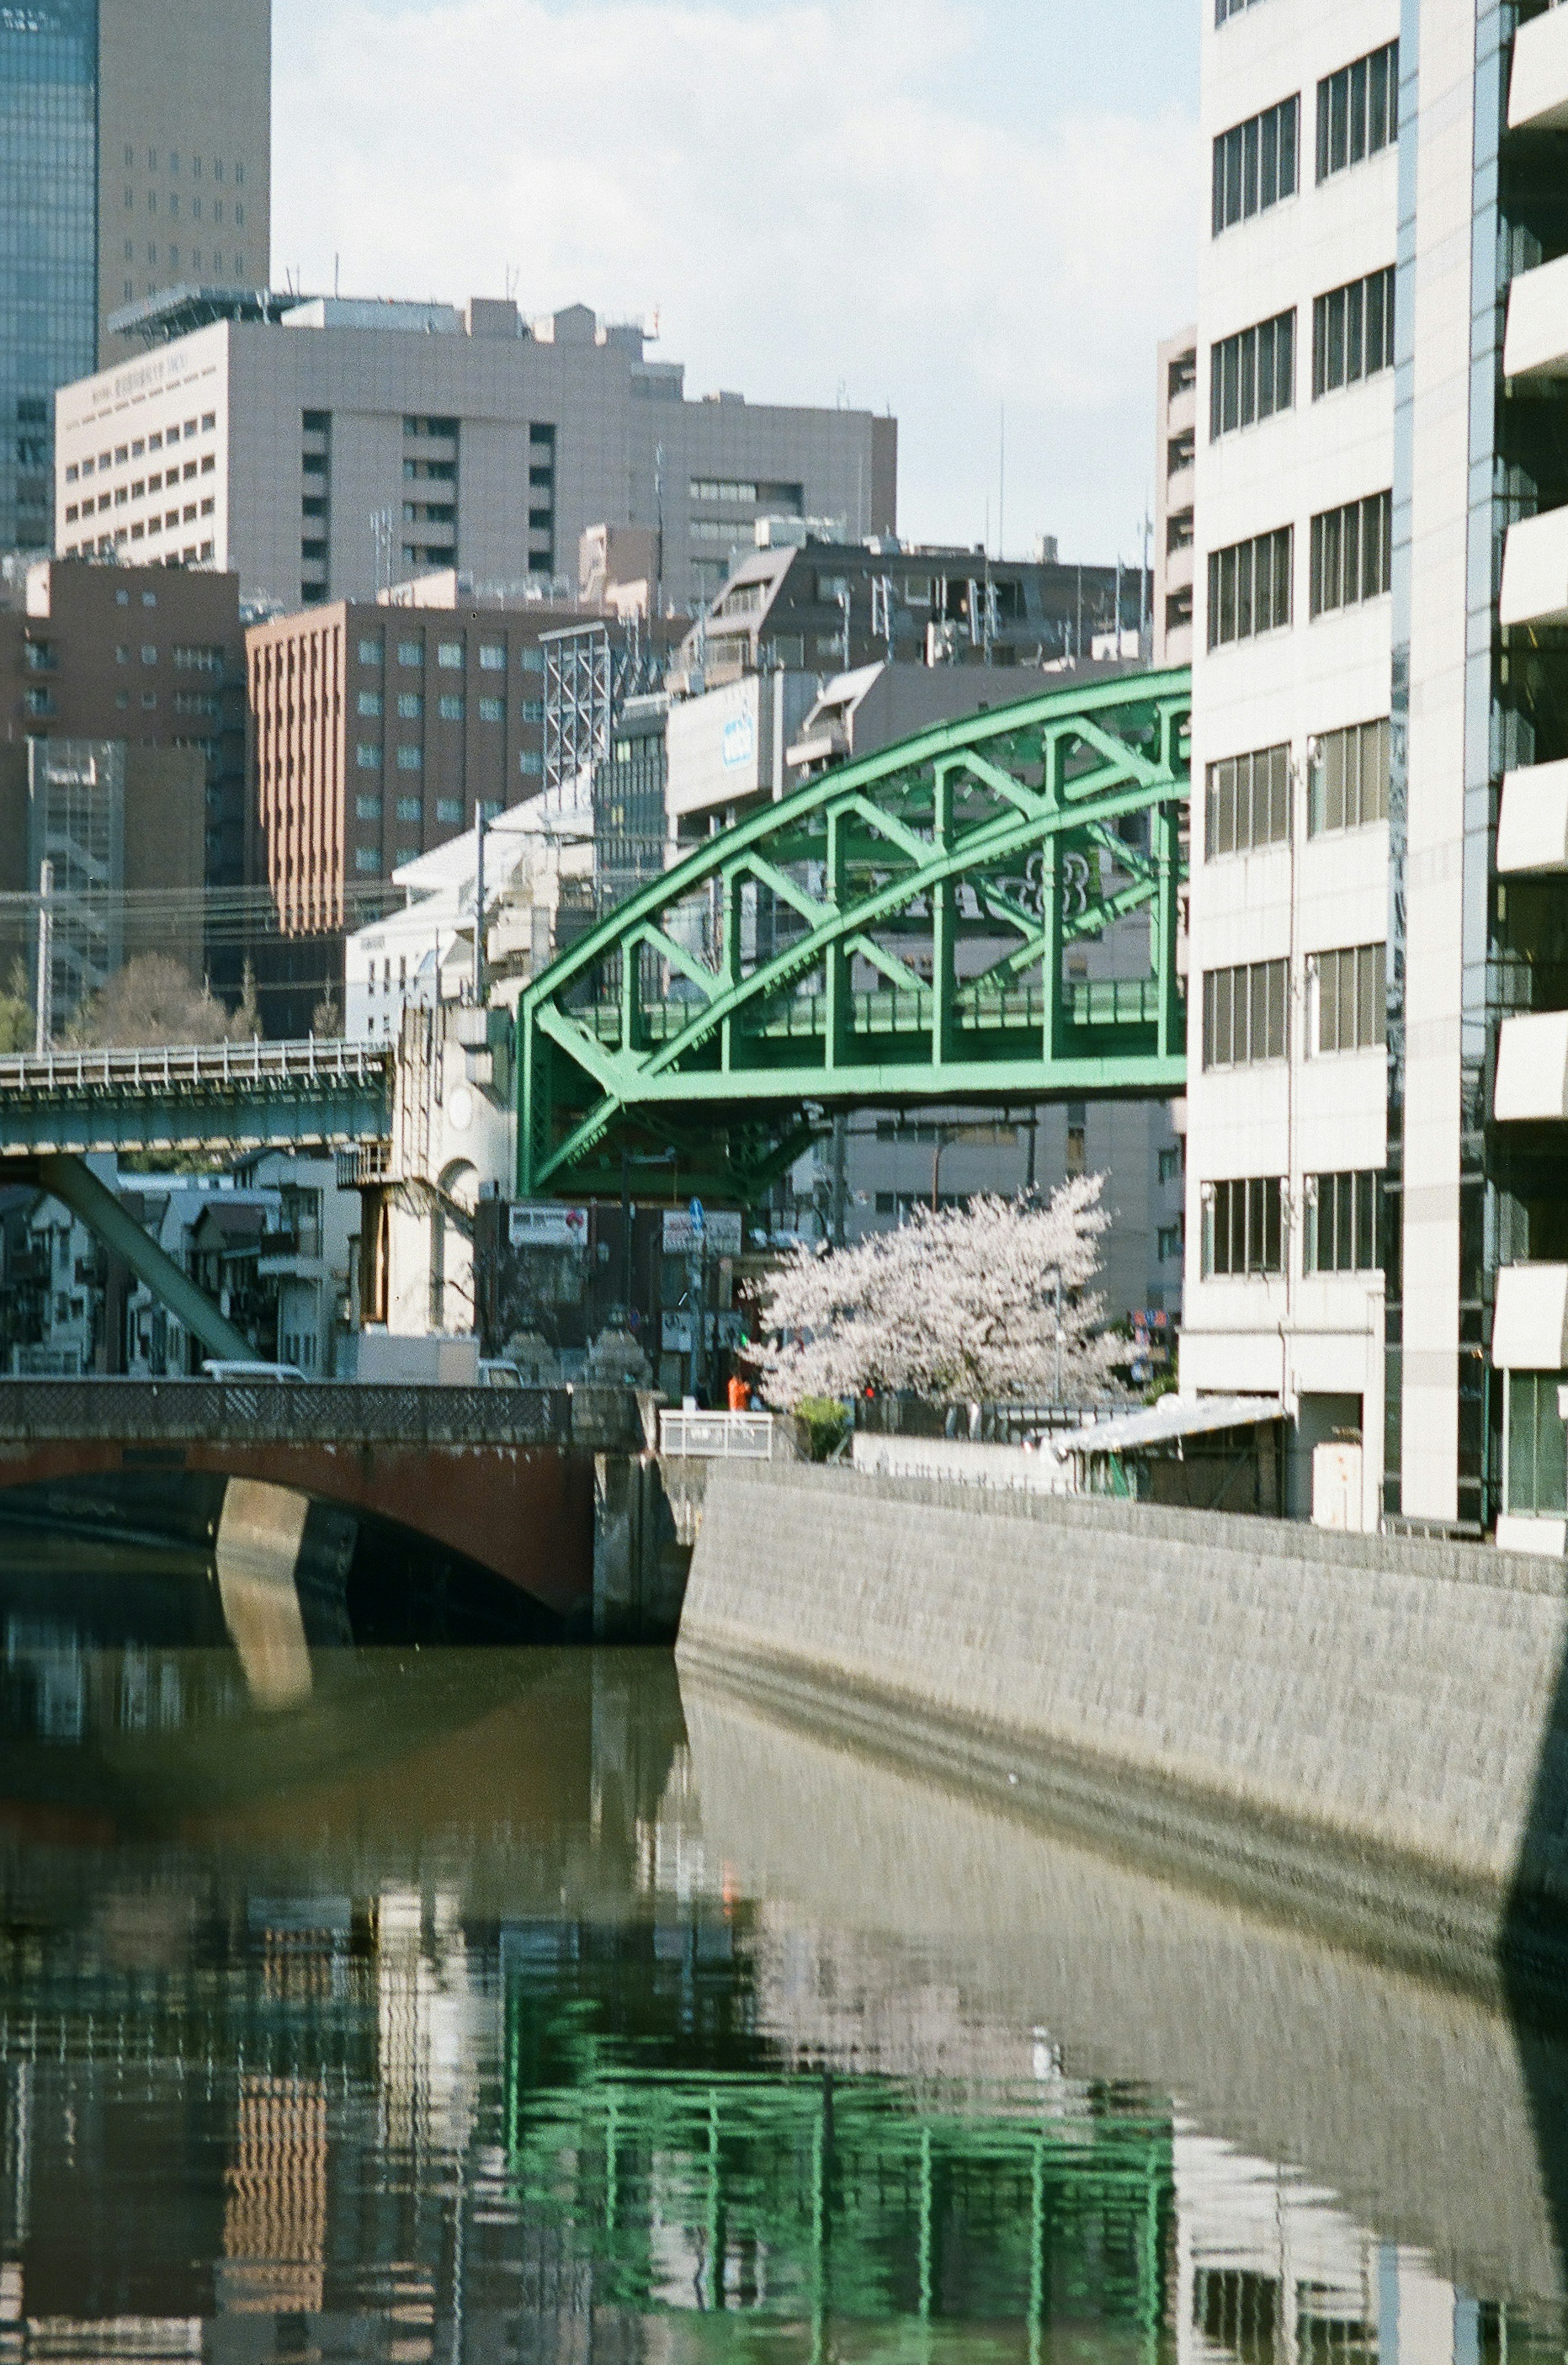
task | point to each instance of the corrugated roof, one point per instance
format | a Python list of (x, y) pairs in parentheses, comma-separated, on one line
[(1163, 1423)]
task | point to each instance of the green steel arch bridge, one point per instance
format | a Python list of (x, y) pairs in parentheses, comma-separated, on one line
[(892, 934)]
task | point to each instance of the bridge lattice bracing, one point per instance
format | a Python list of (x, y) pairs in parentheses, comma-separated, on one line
[(890, 934)]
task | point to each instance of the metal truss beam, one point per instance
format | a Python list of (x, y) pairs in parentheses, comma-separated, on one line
[(894, 932)]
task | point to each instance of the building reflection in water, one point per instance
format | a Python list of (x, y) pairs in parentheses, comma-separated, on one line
[(435, 2017)]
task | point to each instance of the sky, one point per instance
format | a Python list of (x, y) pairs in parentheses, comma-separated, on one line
[(979, 214)]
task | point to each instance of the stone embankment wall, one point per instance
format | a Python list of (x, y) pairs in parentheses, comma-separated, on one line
[(1380, 1722)]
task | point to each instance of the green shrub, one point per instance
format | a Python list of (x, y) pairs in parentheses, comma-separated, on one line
[(826, 1421)]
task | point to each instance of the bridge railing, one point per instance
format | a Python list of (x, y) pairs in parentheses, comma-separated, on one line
[(202, 1066), (211, 1412)]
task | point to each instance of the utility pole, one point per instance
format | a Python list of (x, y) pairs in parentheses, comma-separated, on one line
[(1145, 648), (837, 1203), (479, 907), (44, 996)]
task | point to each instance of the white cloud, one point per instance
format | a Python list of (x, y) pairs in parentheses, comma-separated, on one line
[(799, 191)]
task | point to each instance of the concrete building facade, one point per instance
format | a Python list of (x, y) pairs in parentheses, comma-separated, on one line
[(345, 443), (1175, 453), (1377, 1012), (135, 151)]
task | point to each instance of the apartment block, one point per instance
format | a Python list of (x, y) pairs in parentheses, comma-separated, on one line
[(134, 154), (337, 446), (1175, 470), (1378, 997)]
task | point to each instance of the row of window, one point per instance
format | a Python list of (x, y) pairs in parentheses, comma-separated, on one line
[(1247, 1008), (450, 656), (1250, 585), (123, 453), (409, 758), (172, 207), (154, 163), (1244, 1230), (1256, 162), (1253, 374), (1247, 801), (143, 487), (452, 708)]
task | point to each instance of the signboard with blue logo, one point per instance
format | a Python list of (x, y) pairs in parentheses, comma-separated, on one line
[(739, 742)]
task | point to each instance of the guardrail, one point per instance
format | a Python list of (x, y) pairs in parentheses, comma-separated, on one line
[(199, 1066), (274, 1412), (718, 1436)]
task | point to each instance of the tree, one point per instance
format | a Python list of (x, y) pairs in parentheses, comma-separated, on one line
[(17, 1021), (153, 1000), (956, 1306)]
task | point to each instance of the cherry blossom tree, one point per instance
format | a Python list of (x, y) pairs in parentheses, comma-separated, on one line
[(955, 1306)]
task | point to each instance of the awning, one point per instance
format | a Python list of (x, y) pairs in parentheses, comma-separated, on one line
[(1172, 1418)]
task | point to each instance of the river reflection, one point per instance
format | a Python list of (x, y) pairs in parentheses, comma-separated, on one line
[(493, 2003)]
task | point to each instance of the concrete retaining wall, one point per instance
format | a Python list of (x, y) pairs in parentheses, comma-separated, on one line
[(1380, 1721)]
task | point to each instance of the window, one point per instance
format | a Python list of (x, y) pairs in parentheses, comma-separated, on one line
[(1168, 1243), (1351, 554), (1170, 1165), (1247, 802), (1538, 1445), (1226, 9), (532, 709), (1353, 332), (410, 809), (1252, 375), (411, 760), (541, 521), (452, 708), (1358, 111), (1242, 1230), (406, 853), (1351, 1011), (1245, 1009), (530, 763), (410, 652), (367, 808), (369, 704), (492, 710), (449, 811), (1255, 164), (1347, 784), (492, 657), (367, 756), (367, 860), (533, 660), (371, 653), (1341, 1230), (449, 655), (1249, 587), (149, 654), (410, 705)]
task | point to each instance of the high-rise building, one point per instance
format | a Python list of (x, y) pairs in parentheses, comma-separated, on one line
[(340, 446), (1176, 441), (1379, 1046), (135, 153)]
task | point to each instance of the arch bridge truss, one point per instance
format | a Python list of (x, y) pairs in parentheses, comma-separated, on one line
[(895, 933)]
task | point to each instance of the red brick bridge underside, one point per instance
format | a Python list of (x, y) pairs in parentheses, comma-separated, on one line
[(525, 1512)]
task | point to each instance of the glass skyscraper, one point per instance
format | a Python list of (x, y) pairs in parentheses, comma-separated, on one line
[(49, 242)]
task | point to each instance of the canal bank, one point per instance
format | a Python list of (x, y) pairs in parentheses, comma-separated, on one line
[(1373, 1727)]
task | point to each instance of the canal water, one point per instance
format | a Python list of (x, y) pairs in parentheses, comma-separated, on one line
[(487, 2004)]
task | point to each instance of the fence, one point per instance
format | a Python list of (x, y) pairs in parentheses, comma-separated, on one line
[(718, 1436), (204, 1066), (272, 1412), (985, 1424)]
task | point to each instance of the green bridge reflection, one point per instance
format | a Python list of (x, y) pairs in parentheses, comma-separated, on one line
[(827, 2200)]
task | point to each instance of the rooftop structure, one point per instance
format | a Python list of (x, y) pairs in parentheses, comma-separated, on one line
[(353, 443)]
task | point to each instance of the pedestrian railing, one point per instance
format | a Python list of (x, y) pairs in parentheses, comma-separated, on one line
[(202, 1066), (343, 1413), (718, 1436)]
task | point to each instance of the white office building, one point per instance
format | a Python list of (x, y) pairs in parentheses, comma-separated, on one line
[(1377, 1065), (324, 450)]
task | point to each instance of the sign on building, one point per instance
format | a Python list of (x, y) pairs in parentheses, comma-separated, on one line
[(718, 1234), (538, 1223)]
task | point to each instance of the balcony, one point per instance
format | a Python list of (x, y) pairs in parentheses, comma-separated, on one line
[(1538, 93), (1536, 346), (291, 1255), (1529, 1331), (1532, 1069), (1535, 570), (1532, 827)]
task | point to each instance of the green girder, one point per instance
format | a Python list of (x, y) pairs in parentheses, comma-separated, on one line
[(709, 1015)]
